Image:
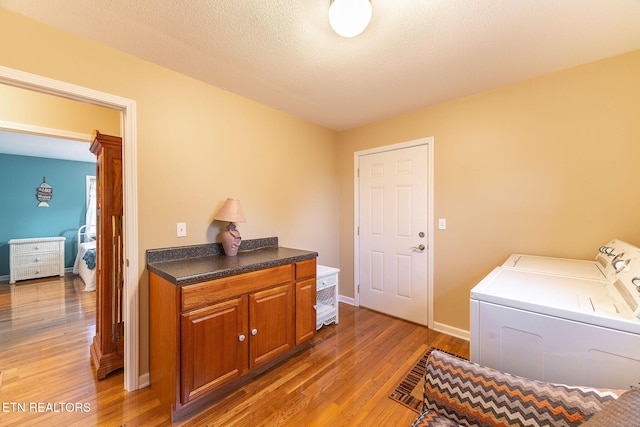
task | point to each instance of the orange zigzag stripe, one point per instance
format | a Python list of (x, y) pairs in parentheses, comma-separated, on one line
[(557, 410)]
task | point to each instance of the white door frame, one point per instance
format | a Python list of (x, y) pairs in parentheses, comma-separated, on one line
[(429, 142), (37, 83)]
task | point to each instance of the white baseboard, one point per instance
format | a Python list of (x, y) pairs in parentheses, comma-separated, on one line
[(3, 278), (439, 327), (346, 300), (143, 381), (450, 330)]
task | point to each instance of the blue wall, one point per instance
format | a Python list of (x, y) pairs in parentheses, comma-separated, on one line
[(20, 216)]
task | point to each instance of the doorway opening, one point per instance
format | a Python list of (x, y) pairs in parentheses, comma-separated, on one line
[(37, 83)]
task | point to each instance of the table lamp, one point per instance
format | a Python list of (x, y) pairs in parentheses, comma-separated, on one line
[(232, 212)]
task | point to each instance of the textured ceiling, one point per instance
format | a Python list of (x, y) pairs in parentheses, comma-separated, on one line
[(415, 53)]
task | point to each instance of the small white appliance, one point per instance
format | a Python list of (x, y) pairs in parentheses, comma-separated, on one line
[(560, 328), (609, 259)]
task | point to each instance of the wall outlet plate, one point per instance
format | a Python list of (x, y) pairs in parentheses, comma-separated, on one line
[(181, 229)]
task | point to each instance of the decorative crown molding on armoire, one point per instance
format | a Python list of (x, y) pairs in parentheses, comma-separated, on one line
[(107, 348)]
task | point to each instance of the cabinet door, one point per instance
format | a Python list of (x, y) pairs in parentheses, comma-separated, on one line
[(271, 324), (305, 310), (214, 346)]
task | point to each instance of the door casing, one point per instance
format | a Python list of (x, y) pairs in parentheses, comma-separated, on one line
[(42, 84), (429, 142)]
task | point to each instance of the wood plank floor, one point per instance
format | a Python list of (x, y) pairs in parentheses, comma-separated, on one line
[(344, 378)]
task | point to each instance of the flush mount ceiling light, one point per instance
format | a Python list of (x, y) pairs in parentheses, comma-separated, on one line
[(349, 18)]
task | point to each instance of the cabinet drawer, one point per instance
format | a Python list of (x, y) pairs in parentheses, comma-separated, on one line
[(206, 293), (31, 272), (23, 248), (305, 268), (36, 259), (326, 281)]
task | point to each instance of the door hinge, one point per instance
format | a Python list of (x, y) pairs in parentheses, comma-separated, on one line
[(358, 288), (358, 172), (358, 231)]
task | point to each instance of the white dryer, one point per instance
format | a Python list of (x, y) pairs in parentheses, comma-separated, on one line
[(609, 259), (559, 328)]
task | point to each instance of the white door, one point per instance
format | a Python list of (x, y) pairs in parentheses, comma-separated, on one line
[(393, 218)]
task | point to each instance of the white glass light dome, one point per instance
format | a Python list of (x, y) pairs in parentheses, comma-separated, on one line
[(349, 18)]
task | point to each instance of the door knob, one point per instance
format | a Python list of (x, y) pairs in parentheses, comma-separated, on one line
[(418, 248)]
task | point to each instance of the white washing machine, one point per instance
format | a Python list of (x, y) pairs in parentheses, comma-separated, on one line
[(559, 328), (609, 259)]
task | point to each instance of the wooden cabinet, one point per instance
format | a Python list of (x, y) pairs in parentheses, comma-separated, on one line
[(107, 348), (214, 347), (305, 300), (270, 324), (205, 335)]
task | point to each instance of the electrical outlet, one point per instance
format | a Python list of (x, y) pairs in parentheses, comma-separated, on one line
[(442, 223), (182, 229)]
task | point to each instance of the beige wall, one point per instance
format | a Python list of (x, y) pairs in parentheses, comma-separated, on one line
[(198, 145), (518, 169), (31, 108), (547, 166)]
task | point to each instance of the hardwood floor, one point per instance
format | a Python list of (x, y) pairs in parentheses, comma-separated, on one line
[(344, 378)]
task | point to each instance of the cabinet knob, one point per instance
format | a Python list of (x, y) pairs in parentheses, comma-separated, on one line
[(37, 259), (254, 331), (241, 338)]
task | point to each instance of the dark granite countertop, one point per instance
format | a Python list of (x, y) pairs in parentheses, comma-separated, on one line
[(190, 264)]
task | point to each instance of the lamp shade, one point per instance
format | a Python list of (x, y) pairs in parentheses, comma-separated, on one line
[(231, 211), (349, 18)]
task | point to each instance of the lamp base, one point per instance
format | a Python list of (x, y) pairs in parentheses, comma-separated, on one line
[(231, 240)]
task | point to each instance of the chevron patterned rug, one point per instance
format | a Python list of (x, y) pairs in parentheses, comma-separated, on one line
[(409, 391), (470, 394)]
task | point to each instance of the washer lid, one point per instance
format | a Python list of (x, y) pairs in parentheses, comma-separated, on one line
[(561, 266), (596, 302), (600, 268)]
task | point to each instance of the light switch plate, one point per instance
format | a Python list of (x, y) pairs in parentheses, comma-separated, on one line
[(442, 223), (181, 229)]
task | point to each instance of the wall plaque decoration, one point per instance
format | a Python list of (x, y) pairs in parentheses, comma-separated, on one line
[(44, 193)]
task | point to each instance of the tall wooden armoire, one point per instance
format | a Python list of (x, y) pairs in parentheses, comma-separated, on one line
[(107, 348)]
